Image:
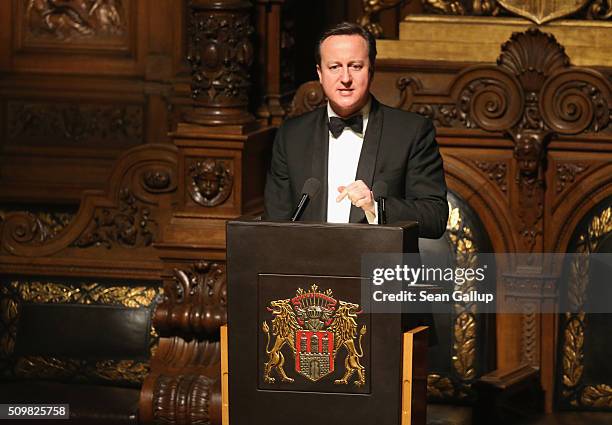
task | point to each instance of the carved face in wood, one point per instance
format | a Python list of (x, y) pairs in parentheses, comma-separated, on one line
[(210, 179), (344, 73), (528, 152)]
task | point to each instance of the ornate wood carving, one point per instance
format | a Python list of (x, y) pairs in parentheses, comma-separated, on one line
[(195, 302), (600, 9), (496, 171), (371, 11), (74, 123), (67, 20), (220, 53), (462, 7), (157, 181), (125, 216), (529, 334), (537, 11), (308, 97), (210, 181), (129, 226), (51, 223), (533, 95), (185, 399), (566, 173), (541, 12)]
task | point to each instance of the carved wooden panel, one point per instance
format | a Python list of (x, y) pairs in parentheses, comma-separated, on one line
[(50, 24), (82, 81), (90, 37), (73, 124)]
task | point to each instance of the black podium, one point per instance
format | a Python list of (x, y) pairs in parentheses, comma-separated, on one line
[(301, 349)]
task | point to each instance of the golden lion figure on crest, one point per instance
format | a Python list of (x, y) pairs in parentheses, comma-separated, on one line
[(345, 328), (316, 327), (284, 326)]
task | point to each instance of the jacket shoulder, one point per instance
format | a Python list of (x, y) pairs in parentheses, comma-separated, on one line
[(307, 119)]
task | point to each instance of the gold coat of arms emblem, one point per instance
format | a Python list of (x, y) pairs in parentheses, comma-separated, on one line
[(314, 328), (541, 11)]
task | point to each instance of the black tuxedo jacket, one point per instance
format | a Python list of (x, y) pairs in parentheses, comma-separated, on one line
[(399, 148)]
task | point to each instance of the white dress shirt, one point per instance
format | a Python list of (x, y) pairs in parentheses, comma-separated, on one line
[(343, 158)]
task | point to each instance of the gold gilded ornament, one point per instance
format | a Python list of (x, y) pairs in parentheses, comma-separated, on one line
[(541, 11)]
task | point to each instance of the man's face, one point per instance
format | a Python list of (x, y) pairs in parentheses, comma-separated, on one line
[(344, 73)]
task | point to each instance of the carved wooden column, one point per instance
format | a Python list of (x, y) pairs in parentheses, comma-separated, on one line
[(276, 32), (220, 52), (222, 148), (184, 385), (222, 162)]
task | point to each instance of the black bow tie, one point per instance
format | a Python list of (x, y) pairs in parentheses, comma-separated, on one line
[(337, 124)]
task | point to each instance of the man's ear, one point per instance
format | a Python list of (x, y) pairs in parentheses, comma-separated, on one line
[(319, 72)]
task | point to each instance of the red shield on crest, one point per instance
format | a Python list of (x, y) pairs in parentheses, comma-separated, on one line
[(314, 357)]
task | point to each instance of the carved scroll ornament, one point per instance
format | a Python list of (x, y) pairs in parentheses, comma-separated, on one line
[(308, 97), (196, 301), (125, 216), (533, 95)]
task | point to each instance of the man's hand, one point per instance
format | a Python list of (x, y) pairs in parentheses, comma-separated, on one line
[(360, 195)]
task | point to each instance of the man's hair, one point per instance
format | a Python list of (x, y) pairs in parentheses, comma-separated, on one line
[(349, 28)]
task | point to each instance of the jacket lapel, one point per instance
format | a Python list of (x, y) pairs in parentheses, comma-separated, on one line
[(369, 152), (320, 149)]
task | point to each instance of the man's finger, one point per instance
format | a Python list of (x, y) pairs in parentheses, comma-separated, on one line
[(343, 194)]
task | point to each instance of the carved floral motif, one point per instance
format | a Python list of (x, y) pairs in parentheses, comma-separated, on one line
[(211, 182), (129, 226), (220, 53), (464, 327), (567, 172), (75, 123), (573, 389), (496, 171)]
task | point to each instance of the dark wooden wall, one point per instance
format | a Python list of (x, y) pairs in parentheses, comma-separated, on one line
[(79, 86)]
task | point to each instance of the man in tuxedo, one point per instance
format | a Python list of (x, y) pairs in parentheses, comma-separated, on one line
[(354, 142)]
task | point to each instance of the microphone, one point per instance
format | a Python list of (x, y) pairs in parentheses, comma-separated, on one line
[(309, 191), (379, 190)]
